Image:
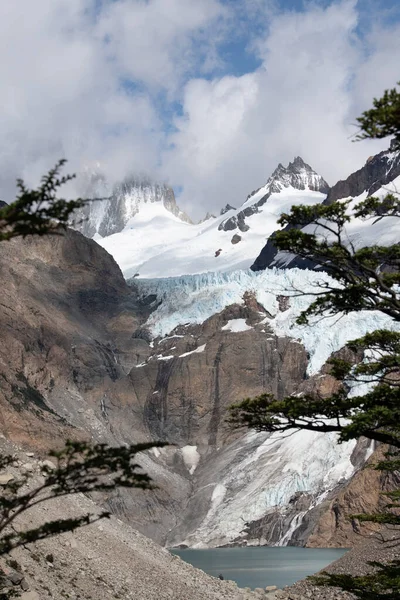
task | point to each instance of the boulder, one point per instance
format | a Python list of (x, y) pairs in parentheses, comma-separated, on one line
[(32, 595), (6, 478)]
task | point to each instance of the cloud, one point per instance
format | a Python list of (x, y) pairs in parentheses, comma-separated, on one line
[(80, 79), (150, 86), (315, 78)]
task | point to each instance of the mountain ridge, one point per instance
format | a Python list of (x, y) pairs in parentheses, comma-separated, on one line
[(379, 175)]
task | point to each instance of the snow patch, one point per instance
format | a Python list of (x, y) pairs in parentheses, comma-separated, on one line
[(190, 457), (236, 326), (197, 351)]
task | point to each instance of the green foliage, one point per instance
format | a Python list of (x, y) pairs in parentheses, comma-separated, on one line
[(361, 283), (78, 468), (361, 279), (38, 212), (383, 119)]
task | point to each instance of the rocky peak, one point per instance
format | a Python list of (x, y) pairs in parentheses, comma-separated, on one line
[(377, 172), (298, 175), (111, 209), (227, 208)]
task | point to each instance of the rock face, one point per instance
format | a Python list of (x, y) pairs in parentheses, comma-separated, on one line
[(108, 213), (66, 323), (298, 175), (377, 172)]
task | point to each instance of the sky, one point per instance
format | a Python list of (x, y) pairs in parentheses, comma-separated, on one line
[(206, 95)]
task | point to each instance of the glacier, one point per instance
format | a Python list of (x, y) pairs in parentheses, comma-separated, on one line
[(264, 476), (195, 298)]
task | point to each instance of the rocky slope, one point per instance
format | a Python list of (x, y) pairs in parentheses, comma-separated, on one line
[(106, 560)]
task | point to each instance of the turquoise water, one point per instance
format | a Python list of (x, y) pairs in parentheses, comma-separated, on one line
[(261, 566)]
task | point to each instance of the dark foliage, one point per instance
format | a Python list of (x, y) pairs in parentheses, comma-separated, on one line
[(38, 212)]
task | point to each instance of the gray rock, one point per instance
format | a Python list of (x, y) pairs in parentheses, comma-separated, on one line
[(27, 468), (6, 478), (48, 464), (15, 577), (32, 595), (24, 585)]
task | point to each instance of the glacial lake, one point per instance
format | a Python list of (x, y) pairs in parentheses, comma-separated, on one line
[(261, 566)]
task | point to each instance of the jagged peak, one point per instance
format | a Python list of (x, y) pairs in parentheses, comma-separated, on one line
[(299, 175), (227, 208), (120, 202)]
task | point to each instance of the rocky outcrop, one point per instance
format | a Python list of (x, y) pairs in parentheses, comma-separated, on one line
[(298, 175), (67, 320), (377, 172), (227, 208)]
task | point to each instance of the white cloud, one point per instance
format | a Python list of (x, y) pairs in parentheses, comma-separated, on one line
[(65, 65), (313, 82), (62, 78), (154, 42)]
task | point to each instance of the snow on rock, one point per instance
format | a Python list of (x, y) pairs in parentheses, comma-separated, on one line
[(155, 242), (197, 351), (190, 457), (195, 298), (236, 326)]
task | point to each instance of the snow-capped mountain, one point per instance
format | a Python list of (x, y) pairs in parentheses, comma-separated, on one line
[(111, 209), (156, 243), (217, 331), (297, 176), (379, 175)]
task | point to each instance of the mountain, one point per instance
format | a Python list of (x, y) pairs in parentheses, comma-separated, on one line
[(379, 175), (153, 243), (296, 176), (86, 355), (91, 351), (111, 210)]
